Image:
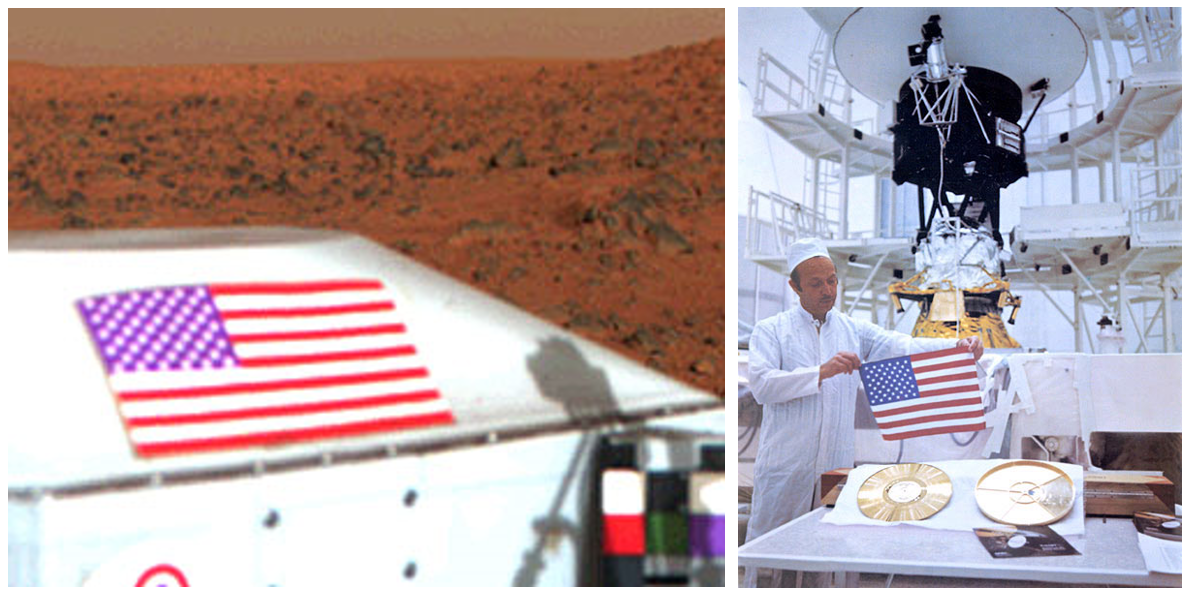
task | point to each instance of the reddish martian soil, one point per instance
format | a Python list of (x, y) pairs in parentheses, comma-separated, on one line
[(588, 193)]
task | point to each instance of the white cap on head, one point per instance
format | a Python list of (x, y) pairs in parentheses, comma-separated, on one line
[(804, 249)]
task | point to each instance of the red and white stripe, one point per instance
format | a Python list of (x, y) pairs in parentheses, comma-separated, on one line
[(318, 360), (949, 398), (623, 512)]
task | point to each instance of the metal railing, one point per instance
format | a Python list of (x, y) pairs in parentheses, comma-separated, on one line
[(867, 127), (787, 219), (1151, 35), (827, 200), (1053, 120), (834, 92), (1154, 33), (774, 77), (1167, 31), (1157, 194), (792, 93)]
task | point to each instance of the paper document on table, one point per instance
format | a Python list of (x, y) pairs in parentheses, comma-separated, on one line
[(1160, 537), (1163, 556)]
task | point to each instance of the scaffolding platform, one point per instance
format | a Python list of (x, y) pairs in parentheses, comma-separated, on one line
[(826, 137), (1147, 104)]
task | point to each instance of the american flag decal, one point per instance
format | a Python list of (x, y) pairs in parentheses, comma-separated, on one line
[(201, 368), (924, 394)]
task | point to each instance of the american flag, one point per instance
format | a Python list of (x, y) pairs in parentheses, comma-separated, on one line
[(199, 368), (924, 394)]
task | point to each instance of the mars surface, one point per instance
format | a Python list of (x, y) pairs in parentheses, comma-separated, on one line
[(590, 193)]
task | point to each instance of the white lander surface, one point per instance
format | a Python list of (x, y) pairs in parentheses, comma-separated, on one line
[(500, 496)]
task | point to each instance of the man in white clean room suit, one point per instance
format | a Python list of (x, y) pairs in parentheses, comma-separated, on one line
[(801, 372)]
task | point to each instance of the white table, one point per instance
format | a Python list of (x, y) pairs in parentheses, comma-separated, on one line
[(1109, 553)]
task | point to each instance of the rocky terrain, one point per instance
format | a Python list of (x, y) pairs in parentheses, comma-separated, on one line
[(589, 193)]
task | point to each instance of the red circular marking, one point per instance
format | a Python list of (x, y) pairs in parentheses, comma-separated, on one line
[(163, 568)]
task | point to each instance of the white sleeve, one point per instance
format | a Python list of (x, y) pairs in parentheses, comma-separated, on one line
[(771, 384), (878, 343)]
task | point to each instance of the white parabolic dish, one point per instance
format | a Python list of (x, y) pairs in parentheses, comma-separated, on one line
[(1024, 44)]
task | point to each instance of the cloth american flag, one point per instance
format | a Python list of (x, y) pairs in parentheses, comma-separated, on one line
[(924, 394), (199, 368)]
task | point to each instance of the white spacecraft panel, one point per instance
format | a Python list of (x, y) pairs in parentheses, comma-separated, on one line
[(1077, 394), (501, 370), (436, 513), (1024, 44), (1137, 392)]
